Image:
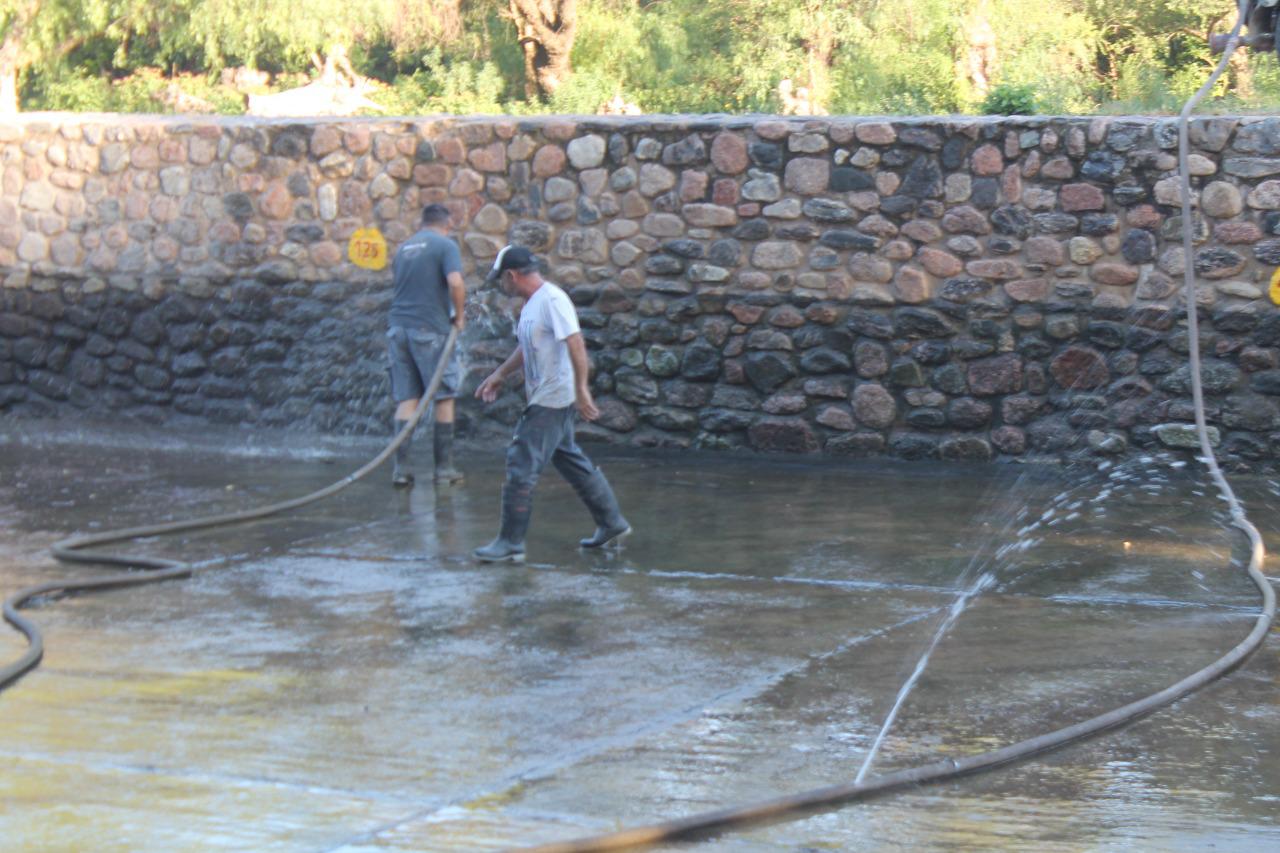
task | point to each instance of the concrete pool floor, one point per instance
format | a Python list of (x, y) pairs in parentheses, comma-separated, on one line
[(350, 680)]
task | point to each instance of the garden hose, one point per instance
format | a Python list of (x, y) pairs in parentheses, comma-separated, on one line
[(155, 569)]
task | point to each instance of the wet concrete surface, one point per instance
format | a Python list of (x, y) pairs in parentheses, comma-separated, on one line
[(348, 679)]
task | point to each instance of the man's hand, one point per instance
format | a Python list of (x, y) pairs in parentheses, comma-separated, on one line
[(586, 405), (490, 388), (459, 323)]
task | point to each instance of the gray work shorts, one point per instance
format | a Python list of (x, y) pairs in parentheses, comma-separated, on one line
[(412, 356)]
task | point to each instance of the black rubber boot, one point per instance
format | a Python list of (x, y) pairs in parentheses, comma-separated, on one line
[(517, 505), (611, 527), (402, 470), (442, 443)]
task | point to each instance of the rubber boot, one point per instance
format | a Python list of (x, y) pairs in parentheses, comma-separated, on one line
[(611, 527), (442, 442), (402, 470), (517, 505)]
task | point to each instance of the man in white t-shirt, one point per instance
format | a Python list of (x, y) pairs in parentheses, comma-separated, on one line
[(553, 357)]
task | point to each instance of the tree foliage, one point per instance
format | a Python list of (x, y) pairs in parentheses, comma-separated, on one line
[(518, 56)]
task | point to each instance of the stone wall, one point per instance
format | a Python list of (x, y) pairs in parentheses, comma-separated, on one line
[(920, 288)]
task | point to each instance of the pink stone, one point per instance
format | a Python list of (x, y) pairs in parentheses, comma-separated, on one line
[(549, 161), (466, 182), (836, 417), (940, 263), (1237, 232), (786, 317), (491, 158), (987, 160), (164, 209), (729, 153), (1144, 216), (384, 147), (173, 150), (922, 231), (203, 151), (875, 133), (898, 250), (431, 174), (746, 314), (911, 285), (326, 254), (400, 169), (451, 151), (772, 130), (999, 268), (965, 219), (724, 192), (1046, 251), (1076, 197), (1011, 185), (693, 185), (325, 140), (1028, 289), (276, 202), (1059, 168), (1114, 274), (750, 208), (560, 131), (808, 175), (709, 215), (145, 156), (357, 140)]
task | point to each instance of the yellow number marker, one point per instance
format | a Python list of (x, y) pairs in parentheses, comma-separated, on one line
[(368, 249)]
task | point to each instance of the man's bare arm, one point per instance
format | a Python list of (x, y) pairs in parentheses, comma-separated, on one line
[(581, 377)]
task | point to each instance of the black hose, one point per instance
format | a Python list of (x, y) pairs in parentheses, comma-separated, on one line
[(697, 826), (159, 569)]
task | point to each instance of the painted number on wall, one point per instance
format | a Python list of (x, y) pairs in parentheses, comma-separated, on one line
[(368, 249)]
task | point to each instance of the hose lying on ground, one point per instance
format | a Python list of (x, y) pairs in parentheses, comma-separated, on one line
[(700, 826), (157, 569)]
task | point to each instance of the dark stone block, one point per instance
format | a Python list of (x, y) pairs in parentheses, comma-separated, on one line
[(1139, 246), (783, 435), (238, 206), (1012, 221), (766, 371), (305, 233), (752, 229), (910, 445), (1099, 224), (923, 179), (920, 323), (848, 179), (898, 205), (984, 193), (823, 360), (1102, 166), (841, 239), (926, 418), (684, 248), (765, 154)]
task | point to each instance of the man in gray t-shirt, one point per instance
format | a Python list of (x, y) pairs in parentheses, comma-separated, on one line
[(429, 297)]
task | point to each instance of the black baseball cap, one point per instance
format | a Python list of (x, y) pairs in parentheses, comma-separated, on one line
[(511, 258)]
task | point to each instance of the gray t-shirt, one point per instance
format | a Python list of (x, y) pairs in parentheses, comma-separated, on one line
[(420, 270), (545, 321)]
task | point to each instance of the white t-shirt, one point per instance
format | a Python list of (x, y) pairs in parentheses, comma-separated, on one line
[(545, 321)]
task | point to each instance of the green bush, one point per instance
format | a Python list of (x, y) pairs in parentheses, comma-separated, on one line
[(1008, 99)]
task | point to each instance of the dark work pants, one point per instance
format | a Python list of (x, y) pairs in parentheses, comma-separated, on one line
[(546, 435)]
